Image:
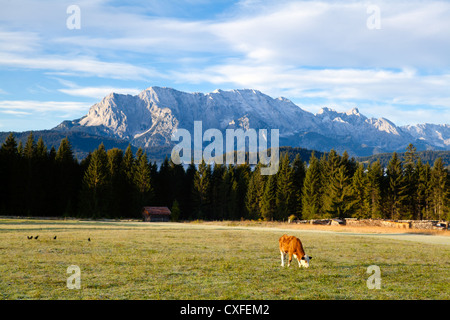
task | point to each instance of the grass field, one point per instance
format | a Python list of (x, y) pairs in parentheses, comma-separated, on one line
[(135, 260)]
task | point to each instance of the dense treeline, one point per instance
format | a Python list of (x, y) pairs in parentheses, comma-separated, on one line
[(426, 156), (36, 181)]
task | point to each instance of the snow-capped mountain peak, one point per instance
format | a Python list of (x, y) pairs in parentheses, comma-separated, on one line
[(150, 118)]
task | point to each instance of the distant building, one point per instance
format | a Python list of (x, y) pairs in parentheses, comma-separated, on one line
[(156, 214)]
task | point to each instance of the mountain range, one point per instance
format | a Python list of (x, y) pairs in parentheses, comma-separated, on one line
[(148, 120)]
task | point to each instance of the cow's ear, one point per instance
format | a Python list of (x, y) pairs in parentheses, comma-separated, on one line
[(310, 258)]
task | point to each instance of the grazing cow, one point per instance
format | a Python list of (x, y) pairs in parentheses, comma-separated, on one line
[(293, 246)]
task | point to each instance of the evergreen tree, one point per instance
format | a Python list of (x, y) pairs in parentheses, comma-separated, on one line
[(41, 149), (175, 211), (28, 177), (285, 194), (9, 147), (251, 199), (409, 187), (255, 192), (127, 165), (129, 199), (311, 202), (9, 172), (217, 201), (29, 150), (202, 190), (374, 190), (68, 179), (423, 192), (299, 172), (165, 182), (95, 185), (177, 176), (239, 188), (360, 190), (116, 182), (395, 185), (65, 154), (225, 193), (329, 166), (142, 180), (187, 197), (340, 203), (439, 189), (269, 201)]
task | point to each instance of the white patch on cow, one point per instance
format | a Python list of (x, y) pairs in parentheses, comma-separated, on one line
[(305, 261)]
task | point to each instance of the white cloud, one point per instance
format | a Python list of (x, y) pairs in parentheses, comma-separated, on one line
[(77, 66), (30, 106), (335, 34), (98, 92)]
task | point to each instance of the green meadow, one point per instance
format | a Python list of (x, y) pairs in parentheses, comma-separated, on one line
[(136, 260)]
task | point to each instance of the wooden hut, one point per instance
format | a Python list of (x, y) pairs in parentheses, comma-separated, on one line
[(156, 214)]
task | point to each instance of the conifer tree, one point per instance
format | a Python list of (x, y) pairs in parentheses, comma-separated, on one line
[(217, 201), (116, 182), (175, 211), (374, 190), (329, 166), (340, 203), (187, 197), (68, 179), (225, 193), (251, 199), (64, 154), (409, 188), (394, 174), (202, 189), (311, 202), (9, 171), (269, 201), (299, 172), (241, 177), (423, 192), (164, 192), (142, 180), (9, 147), (285, 194), (439, 189), (95, 185), (360, 193), (129, 202), (29, 178), (29, 151), (41, 149)]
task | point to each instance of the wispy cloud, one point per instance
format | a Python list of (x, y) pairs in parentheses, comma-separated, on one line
[(78, 66), (97, 93), (29, 107)]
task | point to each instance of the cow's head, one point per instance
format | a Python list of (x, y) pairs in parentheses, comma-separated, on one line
[(305, 261)]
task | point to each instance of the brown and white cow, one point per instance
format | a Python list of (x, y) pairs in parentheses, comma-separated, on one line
[(293, 246)]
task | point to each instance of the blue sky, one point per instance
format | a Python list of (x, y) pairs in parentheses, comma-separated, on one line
[(316, 53)]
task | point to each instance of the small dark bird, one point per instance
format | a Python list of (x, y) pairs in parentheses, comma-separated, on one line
[(36, 237), (89, 239), (30, 237), (54, 238)]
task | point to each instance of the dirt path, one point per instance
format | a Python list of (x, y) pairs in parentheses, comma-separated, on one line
[(406, 236)]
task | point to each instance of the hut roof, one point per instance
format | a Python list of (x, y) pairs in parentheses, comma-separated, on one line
[(156, 210)]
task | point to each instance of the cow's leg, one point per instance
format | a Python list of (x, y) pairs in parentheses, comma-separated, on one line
[(290, 259), (298, 260), (282, 258)]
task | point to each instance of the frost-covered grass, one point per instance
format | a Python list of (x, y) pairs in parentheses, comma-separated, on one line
[(135, 260)]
